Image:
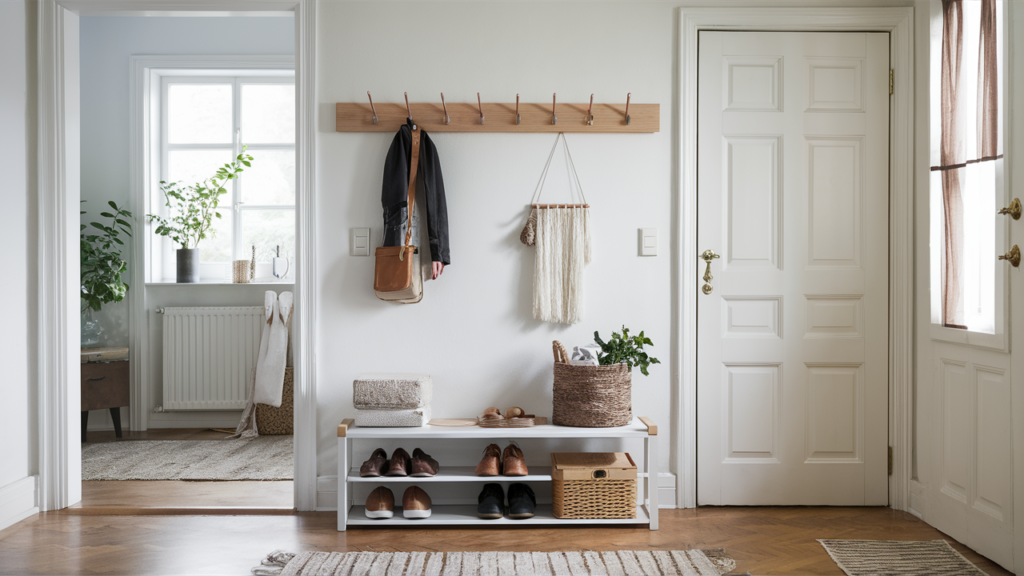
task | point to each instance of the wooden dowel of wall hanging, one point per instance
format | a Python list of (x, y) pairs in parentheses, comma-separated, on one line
[(501, 117), (542, 206)]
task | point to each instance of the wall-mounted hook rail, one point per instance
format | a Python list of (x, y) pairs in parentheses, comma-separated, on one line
[(522, 117), (372, 109), (447, 118), (628, 94)]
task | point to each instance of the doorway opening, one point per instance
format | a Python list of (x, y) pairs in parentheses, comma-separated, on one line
[(201, 94)]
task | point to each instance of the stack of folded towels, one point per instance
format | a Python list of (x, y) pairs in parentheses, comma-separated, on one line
[(392, 399)]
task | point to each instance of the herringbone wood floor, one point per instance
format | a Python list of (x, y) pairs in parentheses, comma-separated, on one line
[(762, 540)]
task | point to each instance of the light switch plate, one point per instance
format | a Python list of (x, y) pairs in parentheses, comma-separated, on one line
[(360, 242), (648, 241)]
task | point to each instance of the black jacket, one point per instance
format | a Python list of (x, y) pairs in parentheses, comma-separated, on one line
[(395, 191)]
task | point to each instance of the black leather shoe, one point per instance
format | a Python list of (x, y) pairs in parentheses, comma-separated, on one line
[(491, 502), (521, 501)]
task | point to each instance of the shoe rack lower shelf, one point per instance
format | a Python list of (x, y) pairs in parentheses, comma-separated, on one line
[(352, 514), (466, 515)]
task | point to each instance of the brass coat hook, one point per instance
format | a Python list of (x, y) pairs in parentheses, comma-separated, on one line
[(628, 94), (1013, 256), (447, 118), (481, 107), (409, 110), (590, 112), (371, 106), (518, 119), (554, 100)]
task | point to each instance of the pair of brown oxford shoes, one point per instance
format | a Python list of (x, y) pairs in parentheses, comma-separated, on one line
[(497, 463)]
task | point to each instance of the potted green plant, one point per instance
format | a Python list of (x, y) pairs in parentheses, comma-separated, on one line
[(192, 209), (102, 266), (625, 349), (600, 396)]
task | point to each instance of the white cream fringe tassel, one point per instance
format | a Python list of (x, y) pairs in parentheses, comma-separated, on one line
[(563, 249)]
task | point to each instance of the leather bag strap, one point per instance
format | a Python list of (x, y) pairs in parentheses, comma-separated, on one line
[(415, 162)]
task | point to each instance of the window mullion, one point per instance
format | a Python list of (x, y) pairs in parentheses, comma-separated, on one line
[(236, 215)]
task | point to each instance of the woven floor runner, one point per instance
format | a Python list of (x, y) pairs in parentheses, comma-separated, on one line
[(586, 563), (893, 558)]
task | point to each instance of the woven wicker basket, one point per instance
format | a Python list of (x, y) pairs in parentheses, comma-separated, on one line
[(593, 485), (272, 421), (592, 396)]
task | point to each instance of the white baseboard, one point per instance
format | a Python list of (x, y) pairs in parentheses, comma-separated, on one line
[(666, 490), (196, 419), (18, 501), (327, 492)]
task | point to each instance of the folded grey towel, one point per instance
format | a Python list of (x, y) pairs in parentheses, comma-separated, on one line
[(392, 391), (392, 418)]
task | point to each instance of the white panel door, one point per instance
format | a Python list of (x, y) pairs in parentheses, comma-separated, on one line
[(793, 194)]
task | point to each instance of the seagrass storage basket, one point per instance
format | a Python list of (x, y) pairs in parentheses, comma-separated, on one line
[(591, 396), (272, 421), (593, 485)]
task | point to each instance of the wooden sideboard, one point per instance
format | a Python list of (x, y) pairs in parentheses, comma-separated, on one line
[(104, 386)]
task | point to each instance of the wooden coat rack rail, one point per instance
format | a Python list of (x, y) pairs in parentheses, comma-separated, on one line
[(499, 117)]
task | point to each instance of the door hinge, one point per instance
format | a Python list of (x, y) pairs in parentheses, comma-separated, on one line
[(890, 460), (892, 80)]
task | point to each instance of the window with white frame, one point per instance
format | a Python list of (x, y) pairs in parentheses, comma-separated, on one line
[(205, 121), (966, 178)]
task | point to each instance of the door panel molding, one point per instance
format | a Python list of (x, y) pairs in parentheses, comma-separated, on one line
[(898, 22)]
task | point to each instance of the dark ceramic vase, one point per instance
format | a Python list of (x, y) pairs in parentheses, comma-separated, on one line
[(188, 265)]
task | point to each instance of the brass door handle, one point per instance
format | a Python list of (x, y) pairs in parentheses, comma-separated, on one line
[(1013, 256), (1013, 210), (708, 256)]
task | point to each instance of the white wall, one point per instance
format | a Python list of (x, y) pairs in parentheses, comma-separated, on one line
[(107, 43), (18, 427), (474, 331)]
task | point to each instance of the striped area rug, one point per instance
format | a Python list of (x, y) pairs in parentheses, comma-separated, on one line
[(895, 558), (585, 563)]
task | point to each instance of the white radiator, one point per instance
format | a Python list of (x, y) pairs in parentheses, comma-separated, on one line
[(209, 354)]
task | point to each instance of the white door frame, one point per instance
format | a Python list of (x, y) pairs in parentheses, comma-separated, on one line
[(898, 22), (58, 344)]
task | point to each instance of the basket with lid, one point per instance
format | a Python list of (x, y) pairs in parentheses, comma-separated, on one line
[(593, 485)]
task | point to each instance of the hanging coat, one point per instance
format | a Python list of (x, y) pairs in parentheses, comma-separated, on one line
[(429, 191)]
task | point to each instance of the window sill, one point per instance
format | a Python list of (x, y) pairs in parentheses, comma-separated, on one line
[(224, 282), (968, 338)]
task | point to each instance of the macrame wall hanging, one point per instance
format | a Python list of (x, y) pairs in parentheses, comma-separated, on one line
[(561, 235)]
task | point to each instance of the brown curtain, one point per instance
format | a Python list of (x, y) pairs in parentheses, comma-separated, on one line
[(952, 148)]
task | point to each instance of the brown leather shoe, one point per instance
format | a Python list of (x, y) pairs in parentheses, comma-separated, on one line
[(380, 503), (399, 464), (512, 461), (490, 464), (415, 503), (422, 464), (376, 465)]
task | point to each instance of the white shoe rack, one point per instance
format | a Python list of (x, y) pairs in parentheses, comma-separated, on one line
[(350, 514)]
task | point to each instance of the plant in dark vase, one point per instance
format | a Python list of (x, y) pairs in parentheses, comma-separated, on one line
[(102, 265), (192, 209)]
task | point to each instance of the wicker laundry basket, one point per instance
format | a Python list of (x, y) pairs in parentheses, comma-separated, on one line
[(272, 421), (592, 396)]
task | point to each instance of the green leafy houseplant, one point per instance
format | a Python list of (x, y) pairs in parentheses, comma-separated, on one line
[(193, 207), (101, 262), (623, 348)]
